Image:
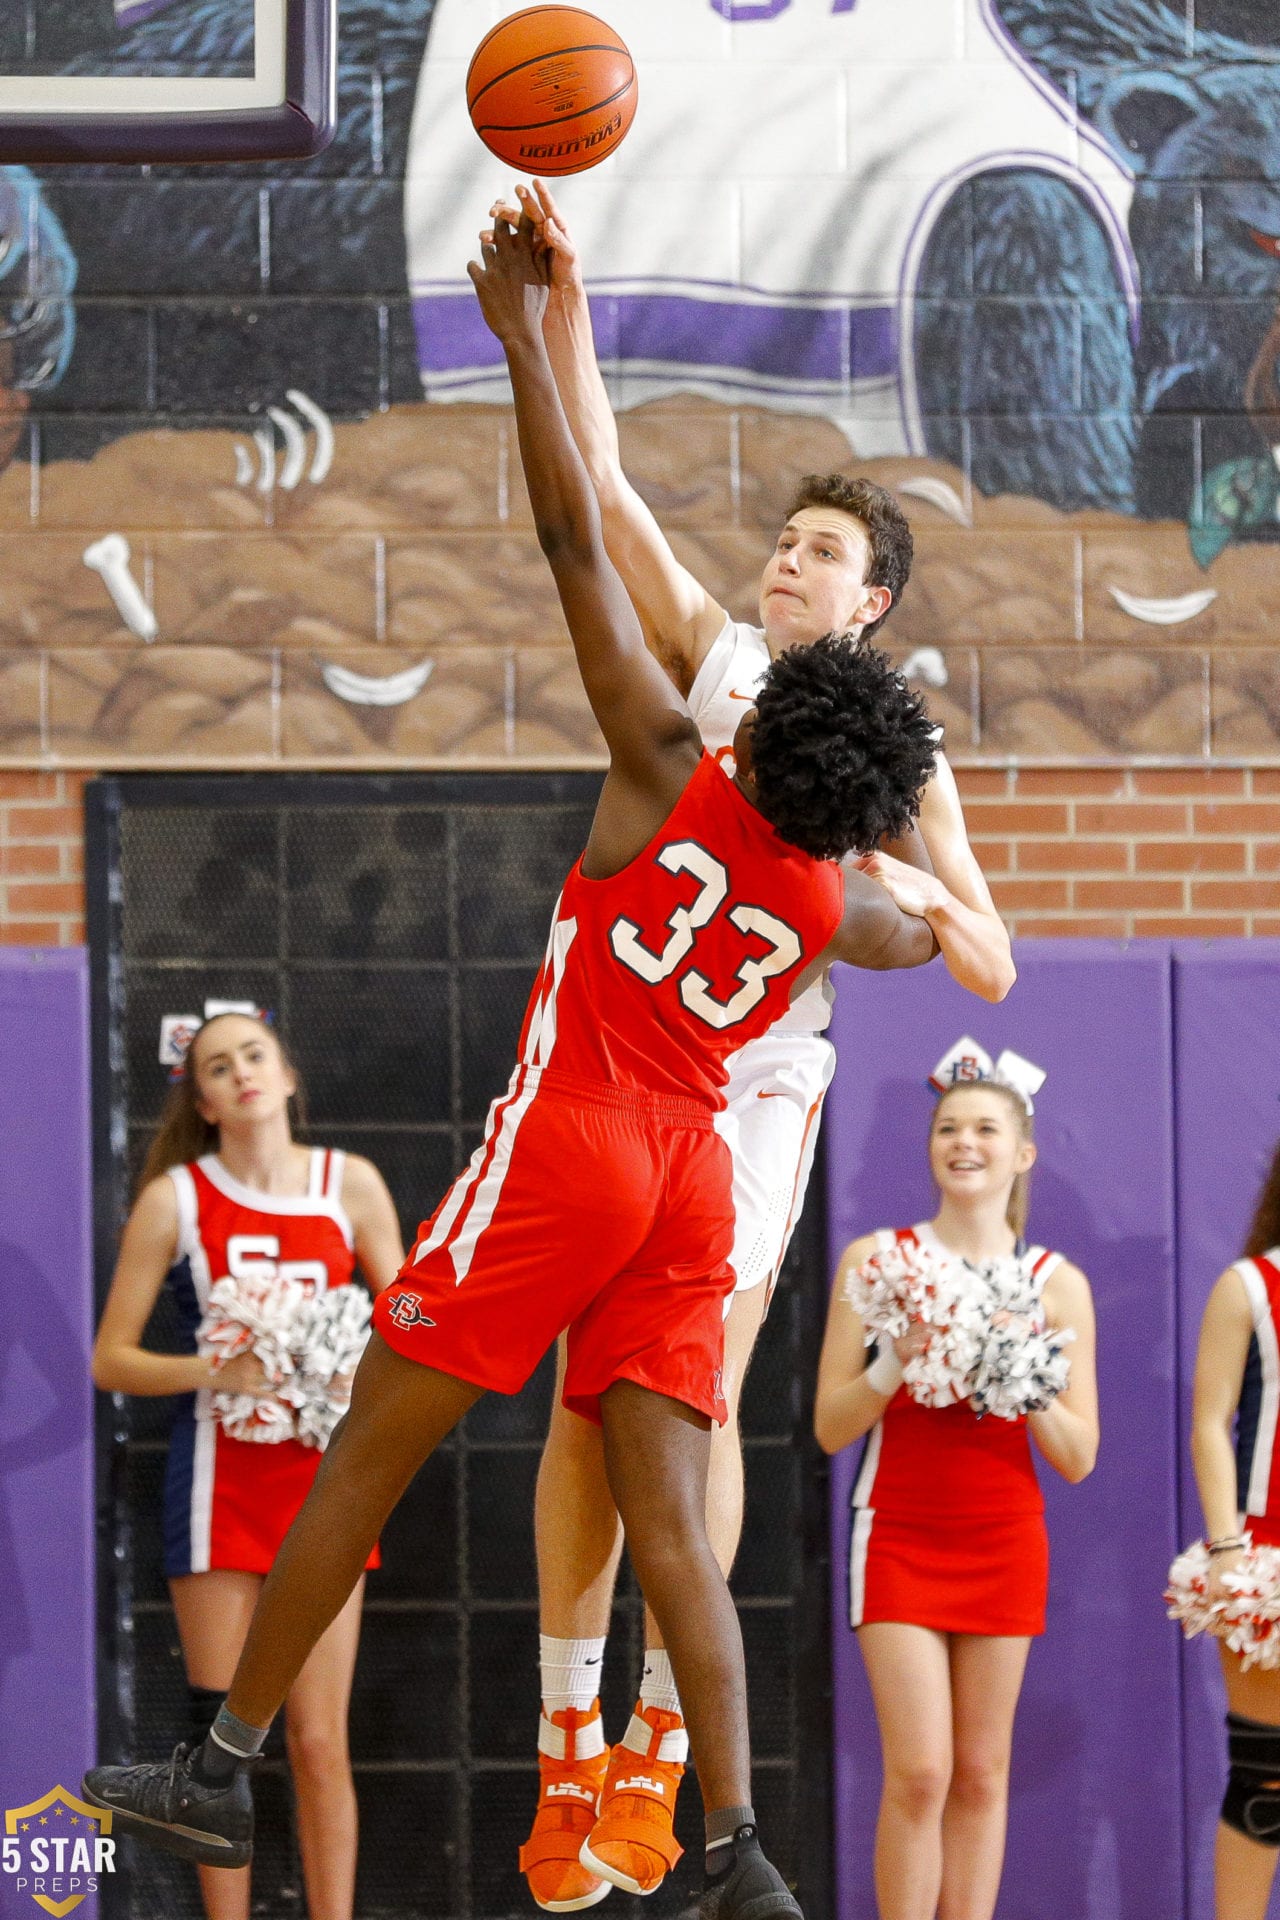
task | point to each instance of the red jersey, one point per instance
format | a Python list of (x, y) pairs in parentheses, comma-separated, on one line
[(945, 1461), (656, 975)]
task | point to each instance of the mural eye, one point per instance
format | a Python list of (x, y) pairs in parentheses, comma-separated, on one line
[(1268, 242)]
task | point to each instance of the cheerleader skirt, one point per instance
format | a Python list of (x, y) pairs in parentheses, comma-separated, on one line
[(229, 1503), (987, 1575)]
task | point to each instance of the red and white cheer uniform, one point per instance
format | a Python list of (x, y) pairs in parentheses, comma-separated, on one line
[(948, 1518), (227, 1502)]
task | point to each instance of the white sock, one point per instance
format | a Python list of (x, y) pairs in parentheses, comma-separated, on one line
[(570, 1672), (658, 1687)]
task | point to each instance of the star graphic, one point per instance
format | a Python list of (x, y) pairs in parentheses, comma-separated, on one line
[(43, 1821), (75, 1820), (59, 1810), (26, 1826)]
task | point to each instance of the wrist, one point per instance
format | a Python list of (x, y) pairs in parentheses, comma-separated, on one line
[(886, 1373), (940, 903)]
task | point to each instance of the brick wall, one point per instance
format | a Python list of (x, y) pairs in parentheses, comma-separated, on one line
[(41, 859), (1112, 852)]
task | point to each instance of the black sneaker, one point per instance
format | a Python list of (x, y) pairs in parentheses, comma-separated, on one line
[(163, 1804), (750, 1889)]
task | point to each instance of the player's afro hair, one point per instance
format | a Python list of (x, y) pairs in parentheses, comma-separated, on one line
[(840, 748)]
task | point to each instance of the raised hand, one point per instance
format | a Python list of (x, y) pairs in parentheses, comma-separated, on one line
[(511, 279), (552, 239)]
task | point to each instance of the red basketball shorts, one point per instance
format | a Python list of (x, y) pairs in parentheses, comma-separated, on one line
[(601, 1209)]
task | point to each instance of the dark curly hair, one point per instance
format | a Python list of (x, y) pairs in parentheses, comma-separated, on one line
[(840, 748), (884, 520)]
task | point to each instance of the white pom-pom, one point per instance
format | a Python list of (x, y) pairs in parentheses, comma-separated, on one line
[(987, 1339), (308, 1347), (334, 1336), (1245, 1615)]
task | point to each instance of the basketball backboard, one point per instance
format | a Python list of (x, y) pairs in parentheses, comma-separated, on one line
[(80, 80)]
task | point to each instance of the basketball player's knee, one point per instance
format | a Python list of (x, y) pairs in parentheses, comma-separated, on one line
[(918, 1787), (1251, 1804), (667, 1543)]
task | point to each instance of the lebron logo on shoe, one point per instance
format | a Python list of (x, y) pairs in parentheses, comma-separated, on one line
[(406, 1311)]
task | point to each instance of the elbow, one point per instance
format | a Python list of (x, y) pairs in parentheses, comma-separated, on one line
[(103, 1373), (1081, 1461), (824, 1433), (1000, 982)]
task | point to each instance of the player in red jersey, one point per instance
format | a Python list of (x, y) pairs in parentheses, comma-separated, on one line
[(227, 1191), (600, 1198)]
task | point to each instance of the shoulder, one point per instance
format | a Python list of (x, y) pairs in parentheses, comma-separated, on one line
[(1233, 1290), (361, 1181), (1067, 1294), (860, 1250), (155, 1213)]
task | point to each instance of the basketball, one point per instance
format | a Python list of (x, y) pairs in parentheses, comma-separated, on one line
[(551, 90)]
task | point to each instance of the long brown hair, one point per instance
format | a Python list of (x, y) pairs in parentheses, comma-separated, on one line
[(184, 1134), (1020, 1195), (1265, 1231)]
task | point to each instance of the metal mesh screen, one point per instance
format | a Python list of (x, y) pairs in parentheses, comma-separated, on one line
[(395, 925)]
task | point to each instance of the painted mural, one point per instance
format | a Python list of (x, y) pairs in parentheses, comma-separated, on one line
[(1019, 259)]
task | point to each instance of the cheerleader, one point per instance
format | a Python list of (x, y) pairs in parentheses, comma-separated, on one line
[(1238, 1383), (949, 1562), (227, 1191)]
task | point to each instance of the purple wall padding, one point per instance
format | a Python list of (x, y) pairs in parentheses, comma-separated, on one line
[(46, 1328), (1227, 1057), (1096, 1828)]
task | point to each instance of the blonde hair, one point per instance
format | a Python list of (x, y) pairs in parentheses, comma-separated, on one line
[(184, 1134), (1020, 1195)]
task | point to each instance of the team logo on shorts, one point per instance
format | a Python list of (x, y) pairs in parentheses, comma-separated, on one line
[(406, 1311), (57, 1850)]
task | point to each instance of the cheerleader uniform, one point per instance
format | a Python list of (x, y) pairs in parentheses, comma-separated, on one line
[(1257, 1457), (227, 1502), (948, 1518)]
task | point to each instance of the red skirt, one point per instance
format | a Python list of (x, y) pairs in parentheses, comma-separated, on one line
[(229, 1503), (988, 1575)]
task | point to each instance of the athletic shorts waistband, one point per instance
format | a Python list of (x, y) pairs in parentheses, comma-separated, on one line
[(670, 1109)]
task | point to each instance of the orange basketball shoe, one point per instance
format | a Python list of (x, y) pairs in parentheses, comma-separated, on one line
[(572, 1762), (632, 1843)]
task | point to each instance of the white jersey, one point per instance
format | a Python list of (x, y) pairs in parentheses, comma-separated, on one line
[(758, 235), (777, 1082), (724, 688)]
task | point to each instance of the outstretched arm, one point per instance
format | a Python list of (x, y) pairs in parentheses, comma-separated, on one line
[(875, 932), (953, 897), (679, 617), (652, 740)]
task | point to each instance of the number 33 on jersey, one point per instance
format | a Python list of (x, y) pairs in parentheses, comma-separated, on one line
[(655, 976)]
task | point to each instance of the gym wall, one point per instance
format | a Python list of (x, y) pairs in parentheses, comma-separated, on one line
[(1064, 363)]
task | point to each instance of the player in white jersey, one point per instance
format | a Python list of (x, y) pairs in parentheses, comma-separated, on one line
[(841, 560), (819, 141)]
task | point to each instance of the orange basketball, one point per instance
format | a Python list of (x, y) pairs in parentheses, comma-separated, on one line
[(551, 90)]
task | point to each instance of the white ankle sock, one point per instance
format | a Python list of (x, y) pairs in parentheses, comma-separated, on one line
[(658, 1687), (570, 1672)]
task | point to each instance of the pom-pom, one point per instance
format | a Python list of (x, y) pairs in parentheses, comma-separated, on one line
[(308, 1346), (1244, 1615), (988, 1343), (905, 1286)]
